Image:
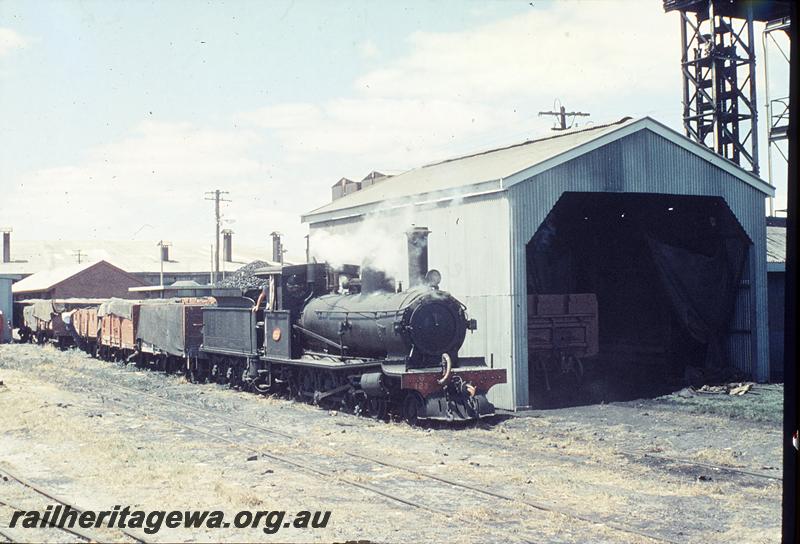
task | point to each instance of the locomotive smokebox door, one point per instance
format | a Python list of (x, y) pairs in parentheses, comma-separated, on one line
[(278, 334)]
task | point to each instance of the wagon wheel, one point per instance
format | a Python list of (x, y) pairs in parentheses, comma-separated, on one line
[(232, 374), (576, 367), (413, 406), (542, 362), (377, 407), (217, 373)]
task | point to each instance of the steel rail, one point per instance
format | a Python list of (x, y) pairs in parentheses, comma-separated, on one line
[(7, 537), (86, 536), (684, 461), (42, 492)]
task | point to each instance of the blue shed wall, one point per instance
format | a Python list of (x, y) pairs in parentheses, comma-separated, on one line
[(6, 305)]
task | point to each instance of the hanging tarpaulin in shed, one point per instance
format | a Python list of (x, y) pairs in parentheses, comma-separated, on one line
[(702, 289), (550, 269)]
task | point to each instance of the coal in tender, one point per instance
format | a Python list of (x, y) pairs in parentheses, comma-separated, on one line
[(244, 277)]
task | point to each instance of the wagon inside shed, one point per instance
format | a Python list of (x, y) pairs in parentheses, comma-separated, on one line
[(669, 274)]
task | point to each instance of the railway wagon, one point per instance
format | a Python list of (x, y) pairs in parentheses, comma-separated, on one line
[(169, 332), (118, 320), (87, 324), (562, 333), (87, 328), (42, 322)]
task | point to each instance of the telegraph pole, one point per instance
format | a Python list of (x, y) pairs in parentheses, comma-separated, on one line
[(77, 254), (562, 116), (217, 197)]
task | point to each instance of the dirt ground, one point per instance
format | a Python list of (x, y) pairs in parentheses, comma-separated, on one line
[(641, 471)]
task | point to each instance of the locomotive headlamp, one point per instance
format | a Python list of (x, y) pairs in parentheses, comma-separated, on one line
[(276, 334), (433, 278)]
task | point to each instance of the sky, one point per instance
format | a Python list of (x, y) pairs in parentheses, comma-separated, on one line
[(118, 116)]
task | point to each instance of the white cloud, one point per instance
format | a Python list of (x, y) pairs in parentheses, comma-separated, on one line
[(394, 132), (582, 50), (455, 91), (369, 50), (157, 175), (450, 93), (11, 39)]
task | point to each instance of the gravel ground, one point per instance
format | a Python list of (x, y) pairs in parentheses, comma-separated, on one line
[(602, 468)]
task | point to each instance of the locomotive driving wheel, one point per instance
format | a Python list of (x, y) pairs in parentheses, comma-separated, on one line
[(377, 407), (293, 387), (413, 406)]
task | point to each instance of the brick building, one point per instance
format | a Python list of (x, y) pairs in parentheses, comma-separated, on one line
[(98, 279), (179, 260)]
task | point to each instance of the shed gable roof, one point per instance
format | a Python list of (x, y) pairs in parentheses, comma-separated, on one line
[(498, 169), (48, 279)]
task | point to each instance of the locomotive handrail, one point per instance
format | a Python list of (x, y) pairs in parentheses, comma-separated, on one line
[(319, 337)]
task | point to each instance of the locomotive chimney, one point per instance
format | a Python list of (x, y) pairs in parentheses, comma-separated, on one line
[(277, 247), (227, 245), (6, 244), (417, 255)]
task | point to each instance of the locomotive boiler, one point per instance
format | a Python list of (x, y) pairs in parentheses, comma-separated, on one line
[(422, 324)]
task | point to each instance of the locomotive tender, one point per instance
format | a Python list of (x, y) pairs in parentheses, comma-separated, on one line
[(338, 337)]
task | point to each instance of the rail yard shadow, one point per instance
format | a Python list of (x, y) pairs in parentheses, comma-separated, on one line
[(609, 382), (486, 423)]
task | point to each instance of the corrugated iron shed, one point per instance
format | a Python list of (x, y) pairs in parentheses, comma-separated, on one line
[(498, 169), (484, 208)]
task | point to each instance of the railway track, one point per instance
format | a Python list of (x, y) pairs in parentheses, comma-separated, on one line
[(516, 447), (636, 454), (461, 486), (454, 496), (335, 474), (29, 535)]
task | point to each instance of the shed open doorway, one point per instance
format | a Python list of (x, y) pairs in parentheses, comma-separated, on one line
[(665, 274)]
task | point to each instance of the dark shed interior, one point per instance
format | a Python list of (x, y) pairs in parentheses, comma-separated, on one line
[(665, 270)]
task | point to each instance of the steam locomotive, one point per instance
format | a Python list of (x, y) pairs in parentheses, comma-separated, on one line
[(369, 347), (339, 337)]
